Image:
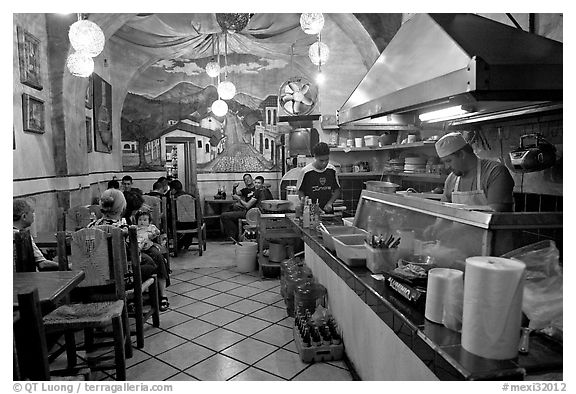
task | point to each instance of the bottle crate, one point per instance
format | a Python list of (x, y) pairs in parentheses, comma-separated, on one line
[(317, 353)]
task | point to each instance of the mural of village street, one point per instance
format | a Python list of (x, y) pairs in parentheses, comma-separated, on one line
[(244, 140)]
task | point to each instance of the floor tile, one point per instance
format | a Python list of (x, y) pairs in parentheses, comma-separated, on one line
[(224, 286), (204, 280), (197, 309), (270, 313), (246, 306), (245, 291), (161, 342), (219, 339), (247, 325), (291, 346), (288, 321), (149, 329), (265, 284), (221, 317), (217, 367), (181, 287), (249, 350), (188, 275), (222, 299), (172, 318), (225, 274), (282, 363), (137, 357), (323, 371), (202, 293), (193, 328), (150, 369), (267, 297), (179, 300), (181, 377), (255, 375), (275, 335), (243, 279), (186, 355), (207, 270)]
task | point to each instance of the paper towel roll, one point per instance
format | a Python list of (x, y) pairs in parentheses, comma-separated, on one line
[(492, 307), (440, 280)]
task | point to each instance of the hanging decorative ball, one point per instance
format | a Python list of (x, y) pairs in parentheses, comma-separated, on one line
[(318, 53), (219, 108), (212, 69), (233, 22), (312, 23), (86, 36), (80, 64), (226, 90)]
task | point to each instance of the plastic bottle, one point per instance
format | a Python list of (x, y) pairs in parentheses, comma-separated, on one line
[(306, 215)]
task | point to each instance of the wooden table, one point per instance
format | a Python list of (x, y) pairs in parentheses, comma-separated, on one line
[(213, 208), (52, 286)]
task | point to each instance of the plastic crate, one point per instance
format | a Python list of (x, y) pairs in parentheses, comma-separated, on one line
[(317, 353)]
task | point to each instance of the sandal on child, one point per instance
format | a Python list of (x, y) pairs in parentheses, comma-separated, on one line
[(164, 304)]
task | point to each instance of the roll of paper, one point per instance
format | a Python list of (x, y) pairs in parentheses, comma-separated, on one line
[(492, 307), (440, 282)]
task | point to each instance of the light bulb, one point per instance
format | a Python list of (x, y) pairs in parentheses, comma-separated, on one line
[(212, 69), (226, 90), (318, 53), (86, 36), (80, 64), (320, 78), (311, 23), (219, 108)]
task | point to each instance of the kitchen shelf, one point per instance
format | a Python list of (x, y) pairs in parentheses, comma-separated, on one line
[(418, 144), (401, 174)]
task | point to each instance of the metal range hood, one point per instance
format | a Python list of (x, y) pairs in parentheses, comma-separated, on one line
[(437, 61)]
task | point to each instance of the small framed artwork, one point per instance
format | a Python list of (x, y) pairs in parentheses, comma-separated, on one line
[(29, 59), (88, 134), (33, 114), (89, 99), (102, 115)]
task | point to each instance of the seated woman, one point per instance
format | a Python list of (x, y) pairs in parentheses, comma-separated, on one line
[(112, 206)]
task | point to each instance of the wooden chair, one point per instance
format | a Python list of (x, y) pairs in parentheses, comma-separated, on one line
[(77, 217), (184, 209), (30, 353), (97, 253), (23, 253), (159, 213)]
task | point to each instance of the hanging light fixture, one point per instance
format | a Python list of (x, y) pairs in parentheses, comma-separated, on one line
[(226, 89), (213, 68), (87, 37), (318, 52), (233, 23), (80, 64), (219, 108), (312, 23)]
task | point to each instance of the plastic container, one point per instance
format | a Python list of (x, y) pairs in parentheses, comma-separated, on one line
[(371, 140), (292, 281), (379, 260), (287, 267), (350, 249), (308, 296), (327, 237), (245, 256), (358, 142), (277, 252)]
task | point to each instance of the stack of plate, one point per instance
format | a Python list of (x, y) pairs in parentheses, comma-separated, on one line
[(396, 165), (415, 165)]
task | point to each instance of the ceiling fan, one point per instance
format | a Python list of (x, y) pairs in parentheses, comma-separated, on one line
[(297, 96)]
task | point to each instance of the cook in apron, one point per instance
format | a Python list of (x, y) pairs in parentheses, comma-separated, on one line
[(475, 197)]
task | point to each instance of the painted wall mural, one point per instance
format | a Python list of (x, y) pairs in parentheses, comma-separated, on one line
[(173, 98)]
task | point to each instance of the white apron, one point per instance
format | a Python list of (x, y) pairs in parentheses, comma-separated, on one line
[(475, 197)]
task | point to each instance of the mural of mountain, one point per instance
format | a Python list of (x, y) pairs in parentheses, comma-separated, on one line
[(247, 100), (180, 92)]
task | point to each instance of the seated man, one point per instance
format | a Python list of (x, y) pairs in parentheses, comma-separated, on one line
[(229, 220), (23, 217), (127, 185), (261, 193)]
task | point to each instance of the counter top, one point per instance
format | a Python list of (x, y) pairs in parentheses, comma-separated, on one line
[(437, 346)]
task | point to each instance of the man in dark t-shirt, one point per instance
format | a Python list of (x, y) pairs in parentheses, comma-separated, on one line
[(229, 220), (318, 180)]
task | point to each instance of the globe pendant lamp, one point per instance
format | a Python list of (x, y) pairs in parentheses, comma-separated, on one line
[(86, 37), (80, 64), (318, 53), (226, 90), (219, 108), (311, 23), (212, 69), (233, 22)]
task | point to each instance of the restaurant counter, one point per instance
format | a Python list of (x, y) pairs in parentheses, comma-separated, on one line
[(386, 338)]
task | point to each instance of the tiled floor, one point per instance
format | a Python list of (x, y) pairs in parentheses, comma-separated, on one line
[(223, 325)]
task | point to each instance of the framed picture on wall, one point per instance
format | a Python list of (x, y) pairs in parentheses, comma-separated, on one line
[(88, 101), (29, 58), (88, 134), (33, 114), (102, 100)]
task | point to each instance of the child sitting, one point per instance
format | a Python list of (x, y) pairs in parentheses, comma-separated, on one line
[(147, 234)]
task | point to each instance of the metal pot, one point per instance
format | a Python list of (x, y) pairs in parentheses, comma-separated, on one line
[(275, 205), (381, 187)]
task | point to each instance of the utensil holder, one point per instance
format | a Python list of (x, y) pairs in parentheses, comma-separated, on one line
[(379, 260)]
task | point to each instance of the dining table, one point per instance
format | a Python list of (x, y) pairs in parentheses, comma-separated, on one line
[(52, 286)]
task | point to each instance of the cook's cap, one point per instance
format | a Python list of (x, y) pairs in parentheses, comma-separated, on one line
[(449, 144)]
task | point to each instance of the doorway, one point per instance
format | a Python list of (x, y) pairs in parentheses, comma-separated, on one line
[(182, 153)]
